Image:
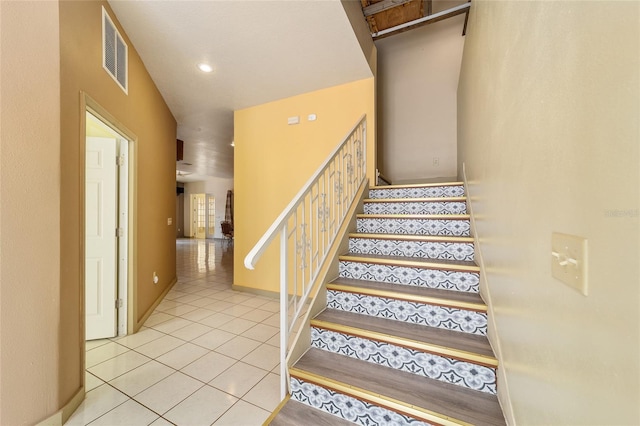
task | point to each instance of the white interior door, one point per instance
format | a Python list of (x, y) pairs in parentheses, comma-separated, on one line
[(198, 216), (211, 219), (100, 238)]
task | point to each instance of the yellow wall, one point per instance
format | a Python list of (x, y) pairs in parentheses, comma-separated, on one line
[(29, 212), (273, 160), (142, 111), (549, 107)]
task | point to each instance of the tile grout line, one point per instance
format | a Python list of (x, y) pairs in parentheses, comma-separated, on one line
[(195, 284)]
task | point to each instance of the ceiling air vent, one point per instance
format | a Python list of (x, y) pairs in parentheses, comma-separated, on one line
[(114, 52)]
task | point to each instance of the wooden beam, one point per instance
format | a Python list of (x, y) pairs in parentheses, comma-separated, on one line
[(382, 6), (436, 17), (466, 19)]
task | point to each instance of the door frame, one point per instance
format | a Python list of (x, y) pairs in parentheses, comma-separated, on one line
[(126, 286)]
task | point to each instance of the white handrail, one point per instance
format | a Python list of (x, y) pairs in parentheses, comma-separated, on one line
[(307, 228), (252, 257)]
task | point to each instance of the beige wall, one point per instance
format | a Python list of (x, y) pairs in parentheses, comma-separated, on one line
[(418, 76), (353, 11), (143, 112), (273, 161), (548, 129), (29, 211)]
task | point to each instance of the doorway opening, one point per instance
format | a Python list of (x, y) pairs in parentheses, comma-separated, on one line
[(202, 216), (108, 226)]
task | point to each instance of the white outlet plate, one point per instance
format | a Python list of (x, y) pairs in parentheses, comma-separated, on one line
[(570, 248), (169, 221), (293, 120)]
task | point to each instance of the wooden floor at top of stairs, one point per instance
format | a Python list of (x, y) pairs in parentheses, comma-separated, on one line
[(295, 413), (459, 341), (380, 382), (410, 290)]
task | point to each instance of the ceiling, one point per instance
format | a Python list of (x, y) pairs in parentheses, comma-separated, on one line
[(260, 50)]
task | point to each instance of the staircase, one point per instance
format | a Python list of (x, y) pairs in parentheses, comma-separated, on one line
[(403, 338)]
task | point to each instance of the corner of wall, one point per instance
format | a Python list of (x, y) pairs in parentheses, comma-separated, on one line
[(504, 396)]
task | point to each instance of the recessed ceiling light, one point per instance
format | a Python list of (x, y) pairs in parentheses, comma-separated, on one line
[(205, 67)]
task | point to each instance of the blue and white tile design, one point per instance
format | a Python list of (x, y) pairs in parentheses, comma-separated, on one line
[(432, 278), (418, 192), (456, 319), (458, 228), (461, 373), (419, 249), (347, 407), (416, 207)]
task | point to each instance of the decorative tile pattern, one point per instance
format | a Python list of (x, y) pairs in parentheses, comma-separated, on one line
[(432, 278), (420, 249), (347, 407), (420, 192), (461, 373), (459, 228), (456, 319), (416, 207)]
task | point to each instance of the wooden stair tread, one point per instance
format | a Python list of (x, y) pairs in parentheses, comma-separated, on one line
[(446, 399), (417, 185), (295, 413), (417, 200), (413, 216), (413, 237), (456, 340), (419, 262), (412, 290)]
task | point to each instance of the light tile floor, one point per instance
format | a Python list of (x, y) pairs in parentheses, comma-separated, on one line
[(208, 355)]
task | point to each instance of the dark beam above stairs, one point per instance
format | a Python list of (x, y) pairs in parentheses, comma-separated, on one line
[(430, 19)]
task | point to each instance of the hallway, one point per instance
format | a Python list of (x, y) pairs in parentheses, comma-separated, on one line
[(207, 355)]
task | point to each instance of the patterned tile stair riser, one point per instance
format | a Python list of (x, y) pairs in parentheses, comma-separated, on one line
[(441, 353), (432, 278), (418, 192), (347, 407), (420, 249), (461, 373), (456, 228), (416, 207), (456, 319)]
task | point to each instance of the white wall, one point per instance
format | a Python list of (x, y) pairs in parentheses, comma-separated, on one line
[(217, 187), (549, 107), (417, 81)]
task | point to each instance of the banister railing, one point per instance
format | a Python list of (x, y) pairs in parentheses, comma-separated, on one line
[(307, 228)]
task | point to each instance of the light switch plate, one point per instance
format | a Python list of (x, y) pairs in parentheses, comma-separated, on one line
[(293, 120), (169, 220), (569, 260)]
